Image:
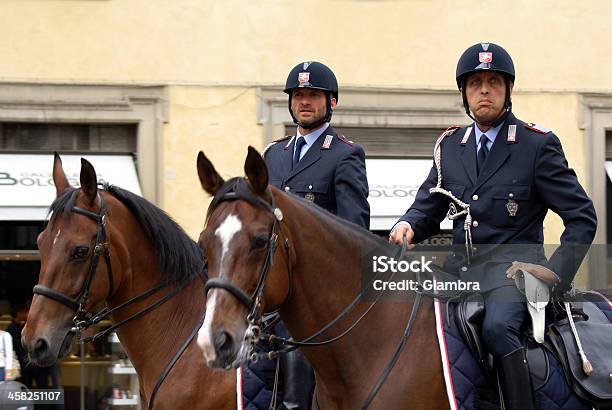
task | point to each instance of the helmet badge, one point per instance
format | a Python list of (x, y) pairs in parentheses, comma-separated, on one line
[(304, 77), (485, 46), (485, 57)]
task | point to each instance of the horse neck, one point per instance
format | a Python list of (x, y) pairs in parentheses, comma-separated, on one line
[(151, 340), (326, 278)]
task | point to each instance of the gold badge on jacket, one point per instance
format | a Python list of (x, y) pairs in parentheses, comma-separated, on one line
[(309, 197)]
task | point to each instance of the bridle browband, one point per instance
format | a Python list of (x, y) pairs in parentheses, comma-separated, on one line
[(83, 319)]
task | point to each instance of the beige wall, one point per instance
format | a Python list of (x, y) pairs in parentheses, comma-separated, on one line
[(219, 121), (557, 44)]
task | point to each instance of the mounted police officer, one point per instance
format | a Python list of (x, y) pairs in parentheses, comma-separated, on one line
[(322, 167), (497, 178), (317, 163)]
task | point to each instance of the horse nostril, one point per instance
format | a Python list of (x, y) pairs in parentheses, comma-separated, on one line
[(40, 347), (223, 342)]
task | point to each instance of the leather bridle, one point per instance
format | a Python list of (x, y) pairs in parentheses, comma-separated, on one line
[(82, 318), (253, 302)]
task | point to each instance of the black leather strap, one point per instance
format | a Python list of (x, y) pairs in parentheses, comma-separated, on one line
[(238, 293), (72, 304)]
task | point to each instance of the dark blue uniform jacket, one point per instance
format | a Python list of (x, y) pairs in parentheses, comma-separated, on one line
[(333, 177), (530, 171)]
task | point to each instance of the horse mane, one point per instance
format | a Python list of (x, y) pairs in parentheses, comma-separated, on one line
[(339, 225), (180, 258)]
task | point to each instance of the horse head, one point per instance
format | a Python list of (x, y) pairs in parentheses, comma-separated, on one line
[(247, 264), (75, 275)]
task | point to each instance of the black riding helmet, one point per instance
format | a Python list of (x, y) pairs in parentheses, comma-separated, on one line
[(485, 57), (312, 74)]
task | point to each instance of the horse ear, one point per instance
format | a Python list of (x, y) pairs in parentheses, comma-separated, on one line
[(256, 171), (59, 177), (89, 181), (209, 177)]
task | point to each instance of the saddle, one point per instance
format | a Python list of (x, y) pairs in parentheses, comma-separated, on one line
[(592, 325)]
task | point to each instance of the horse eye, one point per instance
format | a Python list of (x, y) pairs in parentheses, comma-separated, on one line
[(260, 241), (79, 252)]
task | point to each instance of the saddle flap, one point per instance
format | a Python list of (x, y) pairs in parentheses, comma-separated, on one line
[(597, 345), (469, 314)]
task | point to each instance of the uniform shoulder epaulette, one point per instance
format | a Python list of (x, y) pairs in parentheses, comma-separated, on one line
[(274, 142), (537, 128), (345, 140)]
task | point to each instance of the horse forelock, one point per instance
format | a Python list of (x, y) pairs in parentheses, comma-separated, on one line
[(240, 189), (63, 204)]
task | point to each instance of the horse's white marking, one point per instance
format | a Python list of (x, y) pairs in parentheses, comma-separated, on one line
[(57, 236), (205, 332), (226, 232)]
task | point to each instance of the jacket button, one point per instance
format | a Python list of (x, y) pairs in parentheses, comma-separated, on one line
[(474, 197), (464, 269), (475, 224), (511, 195), (287, 189), (309, 186)]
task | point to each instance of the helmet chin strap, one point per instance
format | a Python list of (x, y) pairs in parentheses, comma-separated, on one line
[(327, 118)]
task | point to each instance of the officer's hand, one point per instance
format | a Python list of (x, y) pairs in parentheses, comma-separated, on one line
[(397, 235), (539, 271)]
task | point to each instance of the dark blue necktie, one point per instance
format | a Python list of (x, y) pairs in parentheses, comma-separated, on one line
[(298, 150), (482, 153)]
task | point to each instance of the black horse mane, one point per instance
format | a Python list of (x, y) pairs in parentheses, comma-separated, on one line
[(179, 257)]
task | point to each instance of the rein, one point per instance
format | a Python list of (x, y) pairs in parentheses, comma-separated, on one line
[(83, 319)]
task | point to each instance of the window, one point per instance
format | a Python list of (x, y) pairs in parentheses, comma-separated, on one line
[(49, 137)]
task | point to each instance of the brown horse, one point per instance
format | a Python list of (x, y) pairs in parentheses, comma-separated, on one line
[(313, 275), (108, 246)]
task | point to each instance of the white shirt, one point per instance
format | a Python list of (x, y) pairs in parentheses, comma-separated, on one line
[(309, 138), (6, 350)]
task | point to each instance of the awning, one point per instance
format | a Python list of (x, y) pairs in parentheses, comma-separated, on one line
[(26, 181), (609, 169), (393, 186)]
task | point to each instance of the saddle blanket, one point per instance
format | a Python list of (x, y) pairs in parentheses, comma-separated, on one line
[(466, 385)]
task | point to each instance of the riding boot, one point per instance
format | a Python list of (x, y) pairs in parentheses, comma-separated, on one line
[(515, 381), (298, 381)]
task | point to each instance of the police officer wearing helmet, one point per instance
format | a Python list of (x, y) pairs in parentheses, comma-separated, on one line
[(317, 163), (506, 174), (322, 167)]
